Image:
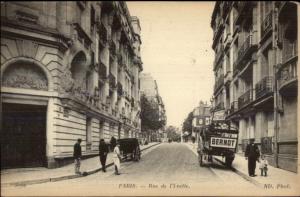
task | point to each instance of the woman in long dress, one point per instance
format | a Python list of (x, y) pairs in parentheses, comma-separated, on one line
[(117, 158)]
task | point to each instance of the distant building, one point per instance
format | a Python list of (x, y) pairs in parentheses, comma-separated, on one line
[(201, 118), (255, 69), (149, 88), (69, 70)]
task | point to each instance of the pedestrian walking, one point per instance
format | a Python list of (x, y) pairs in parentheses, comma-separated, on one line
[(103, 151), (77, 156), (113, 142), (117, 158), (252, 154), (263, 165)]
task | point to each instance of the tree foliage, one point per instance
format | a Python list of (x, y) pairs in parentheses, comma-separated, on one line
[(188, 123), (150, 117), (172, 133)]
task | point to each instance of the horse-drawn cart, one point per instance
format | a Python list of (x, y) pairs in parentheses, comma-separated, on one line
[(130, 147), (217, 139)]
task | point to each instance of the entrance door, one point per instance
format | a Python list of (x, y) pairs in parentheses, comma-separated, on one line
[(23, 136)]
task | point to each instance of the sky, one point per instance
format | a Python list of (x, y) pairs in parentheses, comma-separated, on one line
[(176, 50)]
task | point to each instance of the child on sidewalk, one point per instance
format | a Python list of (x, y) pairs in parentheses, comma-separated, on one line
[(263, 165)]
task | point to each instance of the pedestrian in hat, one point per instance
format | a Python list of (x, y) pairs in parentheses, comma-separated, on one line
[(252, 155), (77, 156), (103, 151), (117, 158)]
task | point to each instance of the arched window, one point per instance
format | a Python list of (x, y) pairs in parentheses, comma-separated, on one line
[(80, 72)]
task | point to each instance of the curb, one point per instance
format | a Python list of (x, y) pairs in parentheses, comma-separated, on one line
[(61, 178), (240, 173)]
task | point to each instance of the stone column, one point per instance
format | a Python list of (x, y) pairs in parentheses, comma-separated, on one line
[(50, 135)]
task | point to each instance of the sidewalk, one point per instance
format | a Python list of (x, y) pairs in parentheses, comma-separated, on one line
[(23, 176), (276, 179)]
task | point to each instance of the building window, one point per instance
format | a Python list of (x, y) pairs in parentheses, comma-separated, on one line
[(93, 19), (101, 129), (88, 133)]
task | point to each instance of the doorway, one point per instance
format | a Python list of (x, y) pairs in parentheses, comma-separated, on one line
[(23, 136)]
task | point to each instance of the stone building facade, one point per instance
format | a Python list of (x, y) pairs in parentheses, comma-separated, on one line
[(201, 118), (255, 68), (69, 70)]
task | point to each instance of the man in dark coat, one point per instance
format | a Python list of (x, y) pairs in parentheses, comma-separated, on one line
[(77, 156), (252, 154), (103, 151)]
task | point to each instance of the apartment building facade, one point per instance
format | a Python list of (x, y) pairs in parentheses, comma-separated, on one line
[(255, 68), (69, 70), (201, 118)]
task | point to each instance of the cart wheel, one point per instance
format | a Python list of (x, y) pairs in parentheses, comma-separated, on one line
[(228, 161)]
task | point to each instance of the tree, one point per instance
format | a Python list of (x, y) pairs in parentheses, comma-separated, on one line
[(172, 133), (188, 123), (150, 117)]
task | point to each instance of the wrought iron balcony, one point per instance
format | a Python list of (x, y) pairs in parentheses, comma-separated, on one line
[(264, 87), (245, 51), (219, 106), (217, 30), (228, 77), (233, 107), (245, 98), (132, 102), (227, 40), (219, 83), (112, 81), (218, 56), (287, 75), (243, 11), (102, 72), (112, 47), (119, 89), (266, 25), (103, 34)]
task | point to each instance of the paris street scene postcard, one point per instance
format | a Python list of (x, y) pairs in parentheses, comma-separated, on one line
[(116, 98)]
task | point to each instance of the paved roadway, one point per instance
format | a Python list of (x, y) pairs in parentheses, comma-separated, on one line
[(163, 169)]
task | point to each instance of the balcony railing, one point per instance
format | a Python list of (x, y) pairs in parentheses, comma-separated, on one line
[(219, 83), (218, 56), (112, 81), (266, 25), (227, 40), (287, 72), (112, 47), (233, 107), (243, 11), (119, 89), (264, 87), (102, 72), (217, 30), (247, 47), (219, 106), (103, 34), (245, 98), (132, 102), (228, 77)]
